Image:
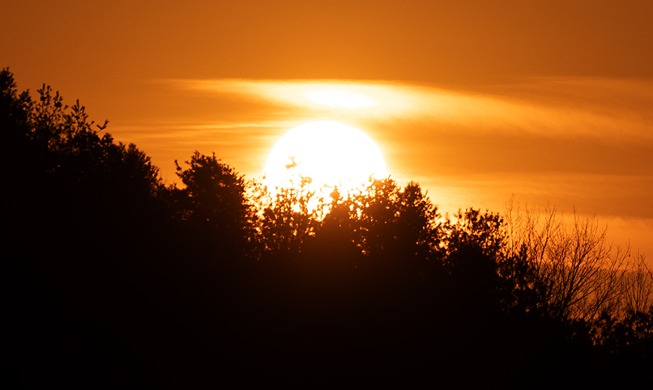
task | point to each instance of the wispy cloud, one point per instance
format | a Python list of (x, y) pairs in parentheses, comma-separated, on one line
[(611, 109)]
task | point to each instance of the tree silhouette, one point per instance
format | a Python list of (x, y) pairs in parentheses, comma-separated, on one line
[(213, 204), (286, 218), (581, 273), (116, 279), (86, 234)]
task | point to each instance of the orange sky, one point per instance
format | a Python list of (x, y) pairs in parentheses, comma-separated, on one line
[(547, 101)]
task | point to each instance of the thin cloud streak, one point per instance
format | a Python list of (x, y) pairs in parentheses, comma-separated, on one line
[(571, 107), (243, 145)]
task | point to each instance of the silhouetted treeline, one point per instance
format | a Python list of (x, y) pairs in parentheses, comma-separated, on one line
[(112, 278)]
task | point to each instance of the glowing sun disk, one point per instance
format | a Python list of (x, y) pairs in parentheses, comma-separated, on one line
[(329, 153)]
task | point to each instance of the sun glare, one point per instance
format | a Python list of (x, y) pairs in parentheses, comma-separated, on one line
[(329, 153), (339, 98)]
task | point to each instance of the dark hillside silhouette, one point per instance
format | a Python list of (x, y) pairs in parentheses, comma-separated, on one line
[(112, 279)]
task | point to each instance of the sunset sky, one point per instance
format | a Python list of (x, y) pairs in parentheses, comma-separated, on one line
[(543, 102)]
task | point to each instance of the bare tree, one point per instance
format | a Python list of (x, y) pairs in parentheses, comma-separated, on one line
[(638, 286), (584, 275)]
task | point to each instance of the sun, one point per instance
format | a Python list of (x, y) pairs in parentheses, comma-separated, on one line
[(328, 153)]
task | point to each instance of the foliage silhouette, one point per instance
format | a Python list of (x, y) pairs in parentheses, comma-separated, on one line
[(213, 205), (115, 279)]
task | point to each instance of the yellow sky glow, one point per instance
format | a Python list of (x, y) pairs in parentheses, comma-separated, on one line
[(569, 136), (476, 101)]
